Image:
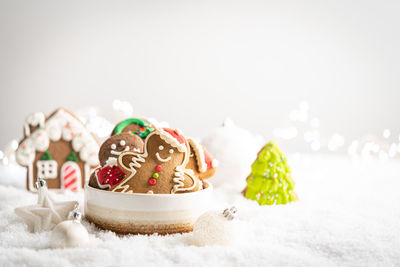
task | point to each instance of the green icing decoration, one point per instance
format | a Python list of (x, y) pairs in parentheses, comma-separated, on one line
[(143, 132), (270, 181), (46, 156), (73, 157)]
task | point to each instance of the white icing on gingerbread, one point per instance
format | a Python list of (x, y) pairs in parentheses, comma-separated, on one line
[(89, 152), (70, 130), (201, 161), (102, 186), (40, 140), (161, 159), (25, 153), (169, 139), (54, 130), (180, 172), (111, 161), (117, 153), (46, 169), (80, 140), (61, 124), (34, 119), (137, 159)]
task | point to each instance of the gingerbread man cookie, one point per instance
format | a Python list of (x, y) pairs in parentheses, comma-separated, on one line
[(116, 144), (160, 169), (109, 173), (200, 160)]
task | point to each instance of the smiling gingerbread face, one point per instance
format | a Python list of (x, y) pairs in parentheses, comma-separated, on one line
[(161, 152), (116, 144)]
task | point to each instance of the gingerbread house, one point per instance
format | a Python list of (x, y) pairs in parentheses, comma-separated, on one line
[(59, 149)]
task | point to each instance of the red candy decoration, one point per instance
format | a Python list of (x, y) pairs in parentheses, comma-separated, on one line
[(158, 168), (152, 181), (109, 176)]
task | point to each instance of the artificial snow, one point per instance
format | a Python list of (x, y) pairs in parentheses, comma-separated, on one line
[(12, 174), (348, 214)]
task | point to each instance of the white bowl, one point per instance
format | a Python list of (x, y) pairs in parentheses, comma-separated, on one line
[(146, 213)]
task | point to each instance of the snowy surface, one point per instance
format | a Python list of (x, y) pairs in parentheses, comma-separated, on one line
[(348, 215)]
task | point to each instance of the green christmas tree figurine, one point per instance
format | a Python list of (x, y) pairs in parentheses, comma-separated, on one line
[(270, 181)]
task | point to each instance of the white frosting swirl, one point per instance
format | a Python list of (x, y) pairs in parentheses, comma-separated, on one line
[(25, 154), (40, 140)]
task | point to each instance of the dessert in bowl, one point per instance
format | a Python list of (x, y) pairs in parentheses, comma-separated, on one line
[(148, 181)]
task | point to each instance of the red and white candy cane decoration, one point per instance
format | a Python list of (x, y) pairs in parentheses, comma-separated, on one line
[(71, 176)]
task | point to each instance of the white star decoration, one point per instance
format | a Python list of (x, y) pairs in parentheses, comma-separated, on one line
[(47, 213)]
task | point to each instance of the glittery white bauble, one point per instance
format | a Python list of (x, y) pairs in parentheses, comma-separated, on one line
[(212, 228), (69, 234), (235, 148)]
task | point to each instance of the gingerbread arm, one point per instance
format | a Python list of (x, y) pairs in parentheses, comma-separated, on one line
[(181, 174), (128, 162)]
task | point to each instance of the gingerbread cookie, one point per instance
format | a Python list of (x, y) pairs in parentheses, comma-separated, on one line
[(59, 149), (116, 144), (140, 127), (200, 160), (109, 174), (160, 169)]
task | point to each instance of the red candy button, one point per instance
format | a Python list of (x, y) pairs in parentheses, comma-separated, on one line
[(152, 181), (158, 168)]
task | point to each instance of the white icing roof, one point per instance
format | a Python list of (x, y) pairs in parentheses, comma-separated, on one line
[(62, 125)]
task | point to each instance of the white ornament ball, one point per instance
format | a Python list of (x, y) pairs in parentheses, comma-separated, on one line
[(69, 234), (235, 148), (212, 228)]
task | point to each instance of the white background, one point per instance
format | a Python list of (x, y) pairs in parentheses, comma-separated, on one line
[(195, 63)]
